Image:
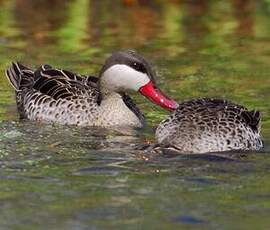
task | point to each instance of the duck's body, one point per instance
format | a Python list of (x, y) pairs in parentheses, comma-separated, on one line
[(210, 125), (60, 96)]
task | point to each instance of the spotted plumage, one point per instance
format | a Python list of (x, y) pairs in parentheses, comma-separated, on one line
[(59, 96), (210, 125), (197, 126), (53, 95)]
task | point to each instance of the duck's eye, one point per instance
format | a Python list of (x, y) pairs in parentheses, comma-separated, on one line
[(139, 67)]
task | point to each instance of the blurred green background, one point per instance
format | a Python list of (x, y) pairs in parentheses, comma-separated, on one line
[(199, 48)]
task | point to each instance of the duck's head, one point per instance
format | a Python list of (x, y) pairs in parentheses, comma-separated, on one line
[(127, 70)]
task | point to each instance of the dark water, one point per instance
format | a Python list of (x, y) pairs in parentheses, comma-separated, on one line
[(59, 177)]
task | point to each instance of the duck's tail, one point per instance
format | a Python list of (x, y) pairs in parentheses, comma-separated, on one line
[(19, 76)]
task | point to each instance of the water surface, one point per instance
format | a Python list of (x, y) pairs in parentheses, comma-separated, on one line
[(62, 177)]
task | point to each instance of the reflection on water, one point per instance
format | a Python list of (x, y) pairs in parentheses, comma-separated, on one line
[(73, 178)]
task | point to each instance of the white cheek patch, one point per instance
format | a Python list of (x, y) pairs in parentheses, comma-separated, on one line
[(124, 77)]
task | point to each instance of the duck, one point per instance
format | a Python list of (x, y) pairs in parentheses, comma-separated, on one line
[(52, 95), (209, 125), (196, 126)]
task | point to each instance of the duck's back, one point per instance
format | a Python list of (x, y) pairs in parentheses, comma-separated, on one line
[(210, 125), (54, 95)]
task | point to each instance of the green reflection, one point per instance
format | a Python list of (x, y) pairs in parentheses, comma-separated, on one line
[(73, 34), (7, 19)]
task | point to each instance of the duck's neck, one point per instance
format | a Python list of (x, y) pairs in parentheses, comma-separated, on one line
[(114, 112)]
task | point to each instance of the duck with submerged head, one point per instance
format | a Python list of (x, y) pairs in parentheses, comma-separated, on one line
[(208, 125), (59, 96)]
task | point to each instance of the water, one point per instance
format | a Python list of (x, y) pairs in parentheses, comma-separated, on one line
[(61, 177)]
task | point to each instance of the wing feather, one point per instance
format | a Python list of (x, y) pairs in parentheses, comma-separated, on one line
[(63, 84)]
